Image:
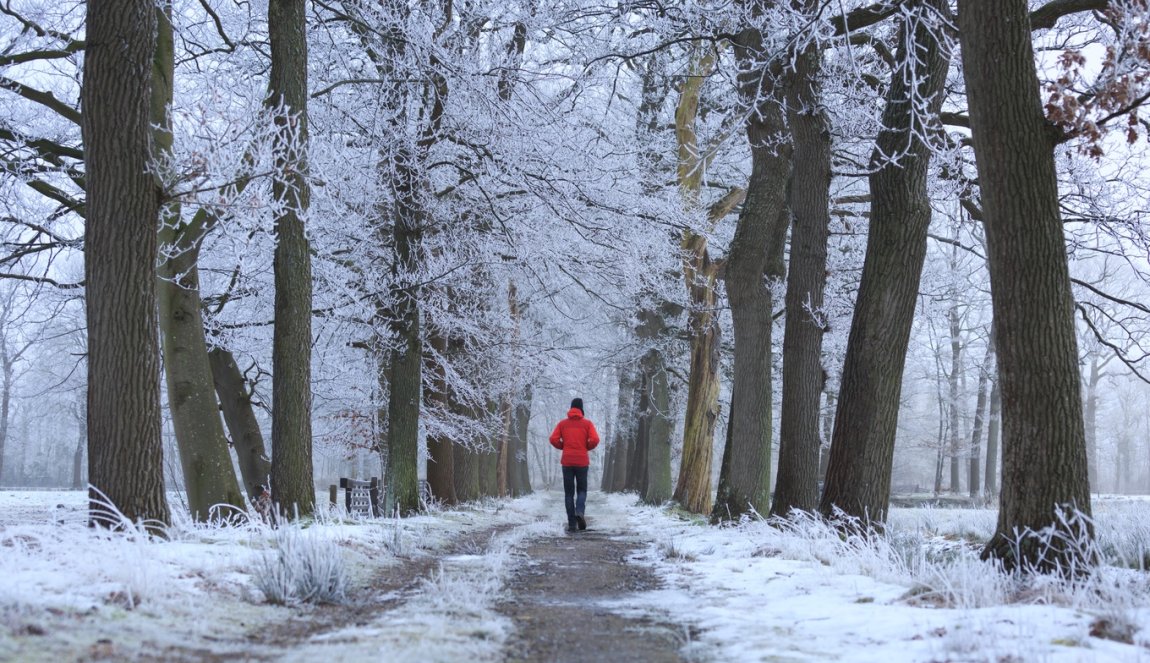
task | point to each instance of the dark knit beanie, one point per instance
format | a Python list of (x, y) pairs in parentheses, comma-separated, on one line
[(578, 404)]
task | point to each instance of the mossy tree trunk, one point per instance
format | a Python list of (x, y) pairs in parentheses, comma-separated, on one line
[(700, 274), (209, 478), (235, 396)]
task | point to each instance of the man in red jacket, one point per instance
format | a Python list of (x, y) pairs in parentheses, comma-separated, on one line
[(575, 435)]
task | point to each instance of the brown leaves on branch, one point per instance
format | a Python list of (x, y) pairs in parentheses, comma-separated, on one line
[(1091, 111)]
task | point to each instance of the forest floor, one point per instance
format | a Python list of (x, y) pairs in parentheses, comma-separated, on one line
[(556, 596), (502, 581), (508, 584)]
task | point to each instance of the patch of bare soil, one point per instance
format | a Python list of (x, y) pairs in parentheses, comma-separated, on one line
[(556, 597)]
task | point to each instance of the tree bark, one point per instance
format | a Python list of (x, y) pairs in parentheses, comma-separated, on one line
[(693, 487), (657, 487), (984, 379), (637, 450), (993, 428), (862, 449), (125, 453), (209, 478), (489, 462), (1122, 460), (1091, 423), (797, 481), (1044, 467), (440, 455), (466, 473), (78, 465), (293, 487), (745, 477), (828, 415), (615, 473), (954, 445), (520, 474), (6, 362), (406, 361), (236, 404)]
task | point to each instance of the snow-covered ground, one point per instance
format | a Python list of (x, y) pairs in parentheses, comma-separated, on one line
[(801, 593), (754, 592)]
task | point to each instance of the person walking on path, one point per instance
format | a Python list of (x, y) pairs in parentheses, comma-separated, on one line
[(575, 435)]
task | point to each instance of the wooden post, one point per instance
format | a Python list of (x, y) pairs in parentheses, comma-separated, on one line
[(346, 485)]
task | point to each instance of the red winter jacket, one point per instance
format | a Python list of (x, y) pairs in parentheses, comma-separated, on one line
[(575, 436)]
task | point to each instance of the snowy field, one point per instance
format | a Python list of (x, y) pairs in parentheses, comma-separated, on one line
[(754, 592)]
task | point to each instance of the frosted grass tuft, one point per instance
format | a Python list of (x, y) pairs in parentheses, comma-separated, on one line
[(303, 567)]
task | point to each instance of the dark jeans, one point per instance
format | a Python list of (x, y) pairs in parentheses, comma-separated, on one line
[(574, 497)]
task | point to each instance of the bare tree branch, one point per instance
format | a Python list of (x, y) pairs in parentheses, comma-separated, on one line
[(41, 279), (1047, 15), (46, 99)]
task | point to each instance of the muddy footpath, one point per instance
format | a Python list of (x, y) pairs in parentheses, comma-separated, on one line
[(557, 596)]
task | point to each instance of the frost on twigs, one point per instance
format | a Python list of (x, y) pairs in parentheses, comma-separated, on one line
[(303, 567)]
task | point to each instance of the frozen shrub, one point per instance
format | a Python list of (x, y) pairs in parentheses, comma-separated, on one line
[(302, 567)]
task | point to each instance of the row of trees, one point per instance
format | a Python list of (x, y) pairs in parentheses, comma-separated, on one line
[(412, 215)]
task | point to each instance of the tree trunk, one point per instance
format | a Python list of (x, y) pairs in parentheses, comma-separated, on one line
[(78, 464), (504, 450), (5, 399), (125, 454), (440, 455), (614, 438), (984, 379), (993, 427), (293, 487), (489, 462), (520, 475), (745, 481), (1122, 459), (657, 487), (862, 450), (940, 437), (208, 475), (466, 473), (693, 487), (406, 363), (797, 482), (641, 432), (952, 402), (1044, 467), (828, 432), (1091, 423), (609, 448), (240, 417)]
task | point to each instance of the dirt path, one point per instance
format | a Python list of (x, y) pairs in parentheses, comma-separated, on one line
[(518, 590), (558, 596)]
